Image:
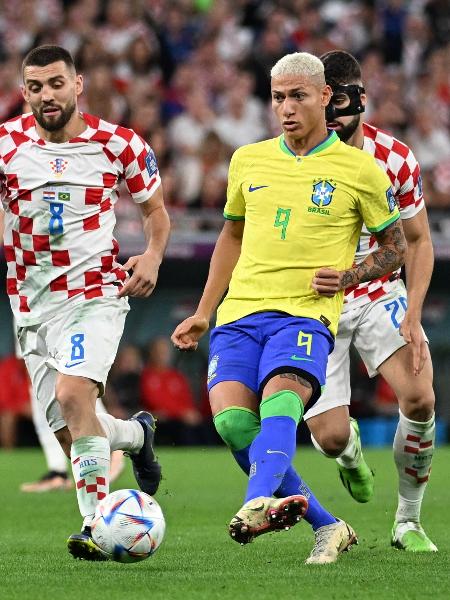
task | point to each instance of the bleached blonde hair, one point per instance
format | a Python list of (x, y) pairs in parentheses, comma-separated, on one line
[(300, 63)]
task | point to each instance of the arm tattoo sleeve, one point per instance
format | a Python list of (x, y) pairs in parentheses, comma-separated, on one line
[(389, 256)]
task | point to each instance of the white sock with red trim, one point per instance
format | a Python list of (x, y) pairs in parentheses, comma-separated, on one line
[(413, 453), (90, 457)]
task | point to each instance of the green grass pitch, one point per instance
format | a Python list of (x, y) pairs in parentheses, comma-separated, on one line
[(200, 492)]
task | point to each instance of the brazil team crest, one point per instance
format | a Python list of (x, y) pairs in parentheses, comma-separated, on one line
[(322, 193), (212, 368)]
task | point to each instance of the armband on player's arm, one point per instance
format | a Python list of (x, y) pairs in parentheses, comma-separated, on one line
[(387, 258)]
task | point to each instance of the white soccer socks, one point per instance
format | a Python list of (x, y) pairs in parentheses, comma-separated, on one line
[(350, 457), (90, 458), (122, 435), (413, 453)]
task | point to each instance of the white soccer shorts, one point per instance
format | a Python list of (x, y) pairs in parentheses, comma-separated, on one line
[(374, 329), (81, 341)]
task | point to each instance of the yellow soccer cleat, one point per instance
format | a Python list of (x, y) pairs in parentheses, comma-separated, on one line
[(331, 541)]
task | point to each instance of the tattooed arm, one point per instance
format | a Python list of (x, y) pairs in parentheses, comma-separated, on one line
[(387, 258)]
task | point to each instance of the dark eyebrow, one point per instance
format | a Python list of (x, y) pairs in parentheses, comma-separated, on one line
[(292, 91), (51, 80)]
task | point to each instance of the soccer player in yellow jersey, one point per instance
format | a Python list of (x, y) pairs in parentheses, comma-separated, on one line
[(294, 211)]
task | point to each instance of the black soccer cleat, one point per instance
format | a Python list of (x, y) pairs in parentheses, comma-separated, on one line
[(147, 469), (82, 546)]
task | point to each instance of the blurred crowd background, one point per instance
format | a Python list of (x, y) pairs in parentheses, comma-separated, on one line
[(192, 77)]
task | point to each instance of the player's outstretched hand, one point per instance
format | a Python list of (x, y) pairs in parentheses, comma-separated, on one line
[(187, 334), (412, 333), (145, 274), (327, 282)]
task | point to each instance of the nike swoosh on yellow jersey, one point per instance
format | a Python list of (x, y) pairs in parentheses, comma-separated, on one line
[(256, 187)]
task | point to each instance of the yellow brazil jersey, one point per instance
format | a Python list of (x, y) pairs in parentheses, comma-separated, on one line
[(301, 213)]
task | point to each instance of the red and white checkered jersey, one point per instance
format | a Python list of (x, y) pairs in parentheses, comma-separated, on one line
[(403, 170), (59, 211)]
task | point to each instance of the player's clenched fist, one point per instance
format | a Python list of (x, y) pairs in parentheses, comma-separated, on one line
[(187, 334)]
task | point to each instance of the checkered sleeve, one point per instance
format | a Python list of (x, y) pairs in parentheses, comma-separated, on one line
[(410, 194), (377, 202), (141, 172), (2, 175)]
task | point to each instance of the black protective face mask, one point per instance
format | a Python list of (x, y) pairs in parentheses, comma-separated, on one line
[(349, 96)]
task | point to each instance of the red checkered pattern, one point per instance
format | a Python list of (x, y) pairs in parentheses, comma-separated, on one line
[(415, 473), (93, 488), (403, 170), (416, 445), (59, 203), (419, 449)]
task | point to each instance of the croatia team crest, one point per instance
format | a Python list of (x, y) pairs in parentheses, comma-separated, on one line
[(322, 193), (58, 166)]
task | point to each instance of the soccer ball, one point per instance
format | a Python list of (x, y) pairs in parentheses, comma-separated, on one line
[(128, 526)]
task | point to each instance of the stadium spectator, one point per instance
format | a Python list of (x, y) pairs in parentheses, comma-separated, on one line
[(79, 26), (241, 118), (166, 392), (14, 398), (430, 142), (145, 115), (123, 388), (102, 95), (89, 54), (11, 100), (393, 15), (207, 164), (188, 130), (269, 48), (177, 36), (120, 28), (438, 15), (140, 62)]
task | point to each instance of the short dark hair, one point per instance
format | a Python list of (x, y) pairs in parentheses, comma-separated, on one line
[(46, 55), (340, 67)]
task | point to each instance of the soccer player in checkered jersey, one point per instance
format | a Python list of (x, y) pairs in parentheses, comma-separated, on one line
[(382, 320), (59, 173)]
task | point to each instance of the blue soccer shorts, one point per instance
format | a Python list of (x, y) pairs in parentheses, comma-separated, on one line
[(257, 347)]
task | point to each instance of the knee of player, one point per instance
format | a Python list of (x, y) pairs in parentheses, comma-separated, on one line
[(237, 426), (332, 442), (418, 405)]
